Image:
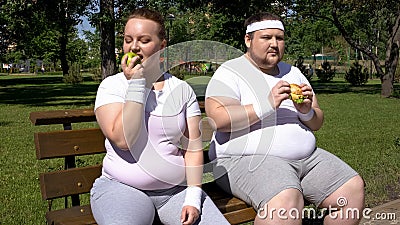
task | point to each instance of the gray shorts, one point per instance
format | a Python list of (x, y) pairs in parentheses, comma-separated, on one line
[(115, 203), (257, 179)]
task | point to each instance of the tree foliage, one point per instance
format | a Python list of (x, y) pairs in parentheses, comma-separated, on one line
[(43, 28), (363, 24)]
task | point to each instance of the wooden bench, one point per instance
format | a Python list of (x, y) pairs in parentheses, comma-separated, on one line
[(72, 181)]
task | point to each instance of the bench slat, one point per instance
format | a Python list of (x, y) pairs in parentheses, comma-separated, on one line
[(77, 215), (230, 204), (69, 143), (62, 116), (241, 216), (68, 182)]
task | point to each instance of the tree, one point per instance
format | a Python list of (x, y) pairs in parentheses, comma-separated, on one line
[(65, 15), (306, 37), (93, 59), (363, 24), (17, 32), (110, 24), (38, 28), (223, 21), (4, 33), (107, 33)]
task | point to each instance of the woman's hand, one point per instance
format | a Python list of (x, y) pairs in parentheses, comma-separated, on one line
[(189, 215), (132, 71)]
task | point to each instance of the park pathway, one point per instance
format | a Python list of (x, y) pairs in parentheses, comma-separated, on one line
[(385, 214)]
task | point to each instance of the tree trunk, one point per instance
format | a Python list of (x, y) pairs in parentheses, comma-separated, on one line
[(63, 53), (107, 46), (64, 41), (392, 57)]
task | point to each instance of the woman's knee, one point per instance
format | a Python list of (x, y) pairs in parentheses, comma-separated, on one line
[(117, 203), (115, 211)]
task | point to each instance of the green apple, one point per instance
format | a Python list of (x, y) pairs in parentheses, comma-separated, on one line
[(130, 56)]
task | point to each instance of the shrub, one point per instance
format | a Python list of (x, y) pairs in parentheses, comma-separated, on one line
[(325, 73), (177, 72), (74, 75), (96, 74), (357, 75), (397, 73), (304, 69)]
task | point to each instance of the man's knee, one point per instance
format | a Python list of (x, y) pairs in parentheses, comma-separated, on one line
[(288, 198), (283, 208), (350, 194)]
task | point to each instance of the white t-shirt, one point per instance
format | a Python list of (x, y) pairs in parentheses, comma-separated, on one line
[(155, 161), (281, 134)]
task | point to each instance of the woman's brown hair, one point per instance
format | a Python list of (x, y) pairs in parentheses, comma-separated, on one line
[(143, 13)]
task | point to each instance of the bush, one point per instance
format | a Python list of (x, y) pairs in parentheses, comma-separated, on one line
[(74, 75), (357, 75), (96, 74), (304, 69), (397, 73), (325, 73), (180, 74)]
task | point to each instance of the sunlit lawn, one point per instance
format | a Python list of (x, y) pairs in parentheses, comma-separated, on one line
[(360, 127)]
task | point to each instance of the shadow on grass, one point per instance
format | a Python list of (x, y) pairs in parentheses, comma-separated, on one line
[(52, 91), (21, 80), (341, 87), (5, 123), (13, 80), (46, 91)]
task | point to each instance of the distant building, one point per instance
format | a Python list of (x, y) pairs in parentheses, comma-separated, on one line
[(322, 57)]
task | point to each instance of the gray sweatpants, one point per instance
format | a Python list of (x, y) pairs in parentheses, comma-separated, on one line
[(115, 203)]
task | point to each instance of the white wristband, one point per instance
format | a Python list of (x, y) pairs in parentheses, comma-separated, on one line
[(306, 117), (136, 90), (193, 197)]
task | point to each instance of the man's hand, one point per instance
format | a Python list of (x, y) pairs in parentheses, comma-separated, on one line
[(306, 105), (189, 215), (279, 92)]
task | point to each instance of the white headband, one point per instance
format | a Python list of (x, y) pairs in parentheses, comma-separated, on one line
[(265, 24)]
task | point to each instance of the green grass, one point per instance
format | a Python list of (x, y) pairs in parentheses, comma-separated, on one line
[(19, 169), (360, 127)]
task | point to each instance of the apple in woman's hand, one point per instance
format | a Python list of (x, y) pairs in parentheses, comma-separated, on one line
[(130, 56)]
